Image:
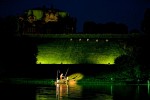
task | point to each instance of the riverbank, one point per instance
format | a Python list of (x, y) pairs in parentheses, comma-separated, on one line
[(31, 81)]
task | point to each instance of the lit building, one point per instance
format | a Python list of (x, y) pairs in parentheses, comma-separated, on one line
[(46, 21)]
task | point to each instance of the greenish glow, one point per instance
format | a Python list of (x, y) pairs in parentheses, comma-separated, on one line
[(33, 81), (71, 52), (103, 59), (53, 55), (76, 76), (148, 86), (37, 13), (62, 14)]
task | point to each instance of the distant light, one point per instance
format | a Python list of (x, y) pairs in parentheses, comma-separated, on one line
[(107, 40), (79, 39), (111, 78), (96, 40), (87, 39), (70, 39)]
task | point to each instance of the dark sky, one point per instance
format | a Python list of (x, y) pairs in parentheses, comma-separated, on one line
[(129, 12)]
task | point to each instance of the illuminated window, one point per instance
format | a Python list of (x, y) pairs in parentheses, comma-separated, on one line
[(31, 19), (51, 17)]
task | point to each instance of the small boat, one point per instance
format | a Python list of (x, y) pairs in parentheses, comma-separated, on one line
[(65, 81), (62, 81)]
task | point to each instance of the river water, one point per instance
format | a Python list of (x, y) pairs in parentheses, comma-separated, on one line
[(74, 92)]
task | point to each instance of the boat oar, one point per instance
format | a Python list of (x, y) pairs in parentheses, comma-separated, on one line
[(66, 72)]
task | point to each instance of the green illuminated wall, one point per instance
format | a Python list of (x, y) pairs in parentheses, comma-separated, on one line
[(37, 13), (75, 51)]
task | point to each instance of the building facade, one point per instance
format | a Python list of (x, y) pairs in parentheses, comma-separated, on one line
[(46, 21)]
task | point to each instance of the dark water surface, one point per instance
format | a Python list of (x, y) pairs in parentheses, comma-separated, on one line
[(74, 92)]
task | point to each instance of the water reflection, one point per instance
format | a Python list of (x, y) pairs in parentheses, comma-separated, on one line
[(93, 92), (61, 91), (111, 89), (45, 93), (148, 86), (74, 91), (68, 91)]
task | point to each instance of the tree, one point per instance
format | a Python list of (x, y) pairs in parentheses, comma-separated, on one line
[(19, 51), (89, 27), (127, 65), (8, 26), (145, 24)]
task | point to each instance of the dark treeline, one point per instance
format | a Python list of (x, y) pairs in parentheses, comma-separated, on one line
[(90, 27), (18, 51), (8, 26), (145, 24), (135, 63)]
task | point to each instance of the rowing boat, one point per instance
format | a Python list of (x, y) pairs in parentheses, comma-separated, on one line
[(62, 81)]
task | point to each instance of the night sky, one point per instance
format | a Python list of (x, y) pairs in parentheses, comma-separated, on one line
[(129, 12)]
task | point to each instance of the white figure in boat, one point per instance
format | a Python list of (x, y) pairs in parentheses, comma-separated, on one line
[(62, 79), (61, 76)]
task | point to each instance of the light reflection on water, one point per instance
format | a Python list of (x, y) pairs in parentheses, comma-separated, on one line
[(59, 92), (70, 92), (75, 92), (93, 92)]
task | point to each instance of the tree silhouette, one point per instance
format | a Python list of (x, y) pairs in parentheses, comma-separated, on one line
[(122, 28), (89, 27), (8, 26), (141, 53), (142, 50), (127, 65), (19, 51), (123, 60), (145, 24), (134, 31)]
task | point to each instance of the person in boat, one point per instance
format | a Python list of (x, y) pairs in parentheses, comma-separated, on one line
[(61, 76)]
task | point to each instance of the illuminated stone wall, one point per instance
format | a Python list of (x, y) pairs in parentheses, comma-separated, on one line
[(80, 51)]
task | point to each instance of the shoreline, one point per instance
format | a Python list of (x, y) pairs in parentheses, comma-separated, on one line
[(80, 82)]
